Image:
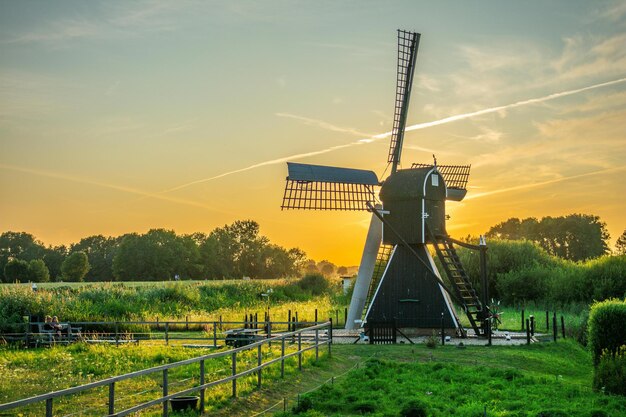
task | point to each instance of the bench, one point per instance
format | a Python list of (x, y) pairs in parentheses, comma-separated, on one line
[(46, 336), (241, 337)]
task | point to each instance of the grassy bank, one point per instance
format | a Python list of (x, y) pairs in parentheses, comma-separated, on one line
[(551, 379)]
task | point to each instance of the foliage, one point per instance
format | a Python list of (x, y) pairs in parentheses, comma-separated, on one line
[(202, 301), (16, 270), (74, 267), (38, 271), (232, 251), (315, 283), (607, 332), (575, 237), (100, 252), (610, 374), (620, 244)]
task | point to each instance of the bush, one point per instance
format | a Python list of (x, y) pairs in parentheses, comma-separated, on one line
[(316, 283), (414, 408), (610, 374), (606, 330)]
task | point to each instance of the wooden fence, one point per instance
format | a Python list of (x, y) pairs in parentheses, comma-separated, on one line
[(310, 334)]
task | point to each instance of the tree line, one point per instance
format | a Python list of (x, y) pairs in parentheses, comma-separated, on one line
[(232, 251), (575, 237)]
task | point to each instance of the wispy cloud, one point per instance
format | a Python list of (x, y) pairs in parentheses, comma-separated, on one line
[(543, 183), (125, 189), (380, 136), (322, 124)]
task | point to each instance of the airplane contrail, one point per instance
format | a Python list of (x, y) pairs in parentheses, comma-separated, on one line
[(65, 177), (542, 183), (384, 135)]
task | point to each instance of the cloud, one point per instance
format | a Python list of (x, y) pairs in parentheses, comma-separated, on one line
[(543, 183), (380, 136), (80, 180), (322, 124)]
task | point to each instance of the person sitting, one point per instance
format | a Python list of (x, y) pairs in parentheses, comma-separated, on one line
[(48, 323), (56, 326)]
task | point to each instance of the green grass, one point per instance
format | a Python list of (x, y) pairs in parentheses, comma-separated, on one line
[(505, 381), (25, 373)]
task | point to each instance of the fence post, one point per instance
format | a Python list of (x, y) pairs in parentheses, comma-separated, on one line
[(527, 332), (234, 367), (522, 319), (317, 347), (532, 325), (296, 323), (289, 321), (316, 316), (117, 334), (563, 326), (547, 320), (49, 407), (214, 334), (282, 357), (443, 332), (112, 398), (259, 357), (165, 392), (221, 328), (202, 381), (167, 334), (300, 350), (330, 335)]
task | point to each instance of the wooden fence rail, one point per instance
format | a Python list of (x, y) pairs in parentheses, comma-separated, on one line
[(163, 369), (121, 331)]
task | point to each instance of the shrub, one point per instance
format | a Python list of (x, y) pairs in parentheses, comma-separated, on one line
[(431, 341), (414, 408), (606, 330), (316, 283), (610, 374)]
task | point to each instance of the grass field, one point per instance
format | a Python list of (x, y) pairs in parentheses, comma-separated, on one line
[(541, 380), (508, 381)]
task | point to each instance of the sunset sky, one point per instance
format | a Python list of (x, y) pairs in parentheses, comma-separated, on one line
[(123, 116)]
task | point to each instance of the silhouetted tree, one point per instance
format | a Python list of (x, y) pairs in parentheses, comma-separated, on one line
[(620, 244), (74, 267)]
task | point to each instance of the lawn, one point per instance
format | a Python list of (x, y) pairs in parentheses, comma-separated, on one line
[(547, 379)]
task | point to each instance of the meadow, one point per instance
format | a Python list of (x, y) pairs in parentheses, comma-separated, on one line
[(540, 380)]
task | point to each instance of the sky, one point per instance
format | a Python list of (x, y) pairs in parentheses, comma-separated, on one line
[(123, 116)]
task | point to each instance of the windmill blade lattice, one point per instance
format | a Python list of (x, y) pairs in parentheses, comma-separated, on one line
[(407, 53), (316, 187), (455, 176)]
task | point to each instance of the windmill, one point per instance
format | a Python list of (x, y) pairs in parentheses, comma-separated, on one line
[(397, 278)]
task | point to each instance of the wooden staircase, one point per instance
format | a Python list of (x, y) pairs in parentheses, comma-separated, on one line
[(461, 283)]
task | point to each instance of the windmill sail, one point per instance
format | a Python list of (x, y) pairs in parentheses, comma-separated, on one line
[(407, 53), (317, 187), (455, 176)]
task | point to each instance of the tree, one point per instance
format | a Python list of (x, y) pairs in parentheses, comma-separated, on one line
[(19, 245), (16, 270), (326, 267), (342, 270), (54, 257), (75, 267), (38, 271), (620, 245), (575, 237), (156, 255), (100, 252)]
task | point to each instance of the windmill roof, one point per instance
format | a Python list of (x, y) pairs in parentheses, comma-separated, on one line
[(306, 172)]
